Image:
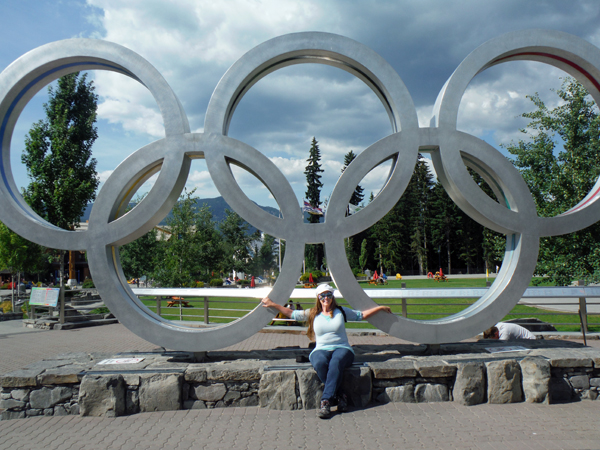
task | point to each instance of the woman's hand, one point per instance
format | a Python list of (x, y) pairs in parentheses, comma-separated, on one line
[(267, 302), (369, 312)]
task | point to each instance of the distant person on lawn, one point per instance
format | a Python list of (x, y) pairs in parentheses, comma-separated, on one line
[(508, 331)]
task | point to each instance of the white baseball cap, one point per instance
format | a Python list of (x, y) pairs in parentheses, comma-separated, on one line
[(324, 288)]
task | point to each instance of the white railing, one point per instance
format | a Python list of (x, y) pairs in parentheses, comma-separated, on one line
[(576, 300)]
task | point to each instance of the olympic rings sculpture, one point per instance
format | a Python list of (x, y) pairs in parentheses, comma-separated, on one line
[(452, 150)]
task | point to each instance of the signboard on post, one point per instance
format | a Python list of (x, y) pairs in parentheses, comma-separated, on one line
[(44, 296)]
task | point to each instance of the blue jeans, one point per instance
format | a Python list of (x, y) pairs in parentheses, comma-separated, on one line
[(330, 365)]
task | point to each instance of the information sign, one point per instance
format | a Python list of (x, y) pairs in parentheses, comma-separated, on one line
[(121, 361), (514, 348), (44, 296)]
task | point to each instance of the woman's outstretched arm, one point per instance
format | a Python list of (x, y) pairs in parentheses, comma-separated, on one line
[(369, 312), (268, 303)]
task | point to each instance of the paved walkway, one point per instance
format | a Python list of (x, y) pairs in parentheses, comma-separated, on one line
[(407, 426)]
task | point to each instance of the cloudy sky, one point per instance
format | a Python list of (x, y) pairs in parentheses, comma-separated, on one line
[(193, 42)]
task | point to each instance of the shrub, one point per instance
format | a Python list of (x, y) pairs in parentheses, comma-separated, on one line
[(315, 273), (100, 310), (199, 284), (25, 308), (6, 306), (88, 284), (244, 282), (216, 282)]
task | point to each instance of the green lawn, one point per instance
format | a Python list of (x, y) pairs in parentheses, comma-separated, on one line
[(223, 310)]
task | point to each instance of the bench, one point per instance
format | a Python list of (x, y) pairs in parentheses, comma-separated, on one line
[(177, 301)]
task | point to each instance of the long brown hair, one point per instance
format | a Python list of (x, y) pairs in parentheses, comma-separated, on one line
[(316, 310)]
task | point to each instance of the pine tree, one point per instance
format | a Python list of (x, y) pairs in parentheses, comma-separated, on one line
[(313, 170), (358, 194), (238, 240), (193, 248), (403, 232), (446, 219)]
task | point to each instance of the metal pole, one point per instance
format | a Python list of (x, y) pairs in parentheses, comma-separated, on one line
[(583, 308), (404, 305), (279, 242), (180, 308), (206, 310), (158, 304)]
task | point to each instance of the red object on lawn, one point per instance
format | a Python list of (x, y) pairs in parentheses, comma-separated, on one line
[(441, 273), (310, 278), (375, 276), (252, 283)]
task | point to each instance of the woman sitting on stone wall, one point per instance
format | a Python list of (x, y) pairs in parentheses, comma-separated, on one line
[(332, 353)]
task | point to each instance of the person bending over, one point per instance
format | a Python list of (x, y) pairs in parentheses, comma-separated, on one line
[(506, 331), (332, 353)]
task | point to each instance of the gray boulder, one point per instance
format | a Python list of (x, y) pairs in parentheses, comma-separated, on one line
[(102, 396), (160, 392), (536, 380), (403, 394), (310, 387), (431, 392), (210, 393), (48, 397), (357, 384), (504, 382), (469, 387), (277, 390)]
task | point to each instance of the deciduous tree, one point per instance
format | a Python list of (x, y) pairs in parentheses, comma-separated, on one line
[(560, 176), (58, 155)]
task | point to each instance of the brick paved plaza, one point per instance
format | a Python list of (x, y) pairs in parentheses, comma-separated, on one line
[(395, 425)]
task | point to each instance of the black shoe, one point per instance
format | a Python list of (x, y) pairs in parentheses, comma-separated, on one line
[(325, 411), (342, 402)]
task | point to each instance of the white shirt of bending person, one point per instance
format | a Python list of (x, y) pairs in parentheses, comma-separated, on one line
[(507, 331)]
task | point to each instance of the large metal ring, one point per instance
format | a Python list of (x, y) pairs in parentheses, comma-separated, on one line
[(514, 214)]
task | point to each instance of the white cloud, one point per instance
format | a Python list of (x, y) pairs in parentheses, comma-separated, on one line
[(132, 116), (492, 107), (103, 176)]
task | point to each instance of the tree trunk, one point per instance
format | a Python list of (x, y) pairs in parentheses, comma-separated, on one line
[(72, 274), (61, 314), (448, 246), (12, 283)]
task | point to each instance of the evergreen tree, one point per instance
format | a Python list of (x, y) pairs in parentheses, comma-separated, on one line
[(446, 218), (193, 246), (237, 242), (265, 256), (313, 170), (358, 194), (363, 255), (404, 231), (139, 258), (353, 243), (561, 177)]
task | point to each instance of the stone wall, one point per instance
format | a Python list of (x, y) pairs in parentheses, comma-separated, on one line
[(77, 384), (11, 316)]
